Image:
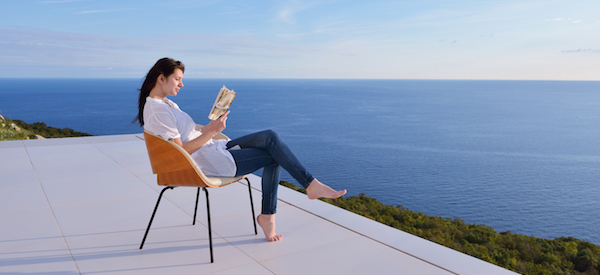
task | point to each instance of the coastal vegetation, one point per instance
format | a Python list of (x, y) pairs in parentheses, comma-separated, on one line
[(13, 129), (519, 253)]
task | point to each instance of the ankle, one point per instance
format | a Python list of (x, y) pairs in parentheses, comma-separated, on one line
[(266, 217), (313, 184)]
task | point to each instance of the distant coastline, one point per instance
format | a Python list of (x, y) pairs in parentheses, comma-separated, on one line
[(14, 129)]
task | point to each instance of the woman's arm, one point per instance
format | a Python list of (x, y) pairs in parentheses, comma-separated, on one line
[(208, 132)]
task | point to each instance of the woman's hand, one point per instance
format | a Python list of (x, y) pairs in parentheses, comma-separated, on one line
[(209, 131), (216, 126)]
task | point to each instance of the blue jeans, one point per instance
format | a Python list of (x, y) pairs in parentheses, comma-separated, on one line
[(266, 150)]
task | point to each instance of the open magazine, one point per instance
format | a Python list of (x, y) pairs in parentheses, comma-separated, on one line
[(222, 103)]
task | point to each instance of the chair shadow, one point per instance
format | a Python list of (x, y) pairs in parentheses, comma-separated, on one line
[(123, 250)]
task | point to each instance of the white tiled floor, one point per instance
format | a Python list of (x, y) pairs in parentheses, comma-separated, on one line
[(81, 206)]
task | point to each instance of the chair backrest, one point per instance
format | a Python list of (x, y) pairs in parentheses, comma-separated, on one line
[(175, 167), (172, 164)]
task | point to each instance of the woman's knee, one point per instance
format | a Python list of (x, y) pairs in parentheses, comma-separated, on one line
[(271, 134)]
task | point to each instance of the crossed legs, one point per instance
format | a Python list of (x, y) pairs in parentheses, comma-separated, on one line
[(266, 150)]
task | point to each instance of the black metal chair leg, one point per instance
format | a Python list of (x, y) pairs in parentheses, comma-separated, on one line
[(153, 213), (196, 209), (209, 226), (195, 213), (252, 206)]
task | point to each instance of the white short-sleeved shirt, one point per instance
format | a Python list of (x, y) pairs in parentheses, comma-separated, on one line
[(169, 122)]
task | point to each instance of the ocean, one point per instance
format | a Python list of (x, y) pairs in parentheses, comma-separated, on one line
[(519, 156)]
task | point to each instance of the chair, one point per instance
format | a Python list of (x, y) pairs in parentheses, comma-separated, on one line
[(175, 167)]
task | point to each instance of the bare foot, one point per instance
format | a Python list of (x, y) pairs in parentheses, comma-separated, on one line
[(317, 190), (267, 223)]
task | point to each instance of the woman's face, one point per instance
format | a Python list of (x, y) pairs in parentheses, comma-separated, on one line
[(173, 83)]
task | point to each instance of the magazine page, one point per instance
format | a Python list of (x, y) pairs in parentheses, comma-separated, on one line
[(222, 103)]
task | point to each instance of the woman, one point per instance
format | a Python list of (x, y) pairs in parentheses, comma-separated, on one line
[(225, 158)]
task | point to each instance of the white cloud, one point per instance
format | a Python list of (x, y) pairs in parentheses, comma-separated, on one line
[(49, 48), (83, 54), (93, 11), (582, 51), (566, 20), (286, 15), (103, 11)]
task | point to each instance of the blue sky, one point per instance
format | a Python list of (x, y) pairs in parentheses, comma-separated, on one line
[(426, 39)]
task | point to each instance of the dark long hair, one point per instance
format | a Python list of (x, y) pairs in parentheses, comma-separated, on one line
[(165, 66)]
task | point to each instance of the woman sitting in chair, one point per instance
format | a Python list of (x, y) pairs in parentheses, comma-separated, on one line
[(222, 158)]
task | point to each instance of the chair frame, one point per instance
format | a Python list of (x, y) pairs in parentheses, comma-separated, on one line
[(204, 184)]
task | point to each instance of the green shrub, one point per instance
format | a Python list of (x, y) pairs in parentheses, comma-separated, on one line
[(46, 131), (29, 131)]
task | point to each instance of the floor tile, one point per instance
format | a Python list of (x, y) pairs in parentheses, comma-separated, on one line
[(175, 250), (300, 231), (25, 230), (18, 178), (353, 256), (231, 200), (150, 180), (54, 142), (251, 269), (12, 144), (112, 138), (118, 216), (102, 171), (80, 149), (65, 164), (31, 243), (46, 262), (347, 219), (14, 160), (435, 253), (65, 157), (23, 198), (96, 191), (140, 167)]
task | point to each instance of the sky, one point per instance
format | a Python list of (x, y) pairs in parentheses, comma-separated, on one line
[(377, 39)]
